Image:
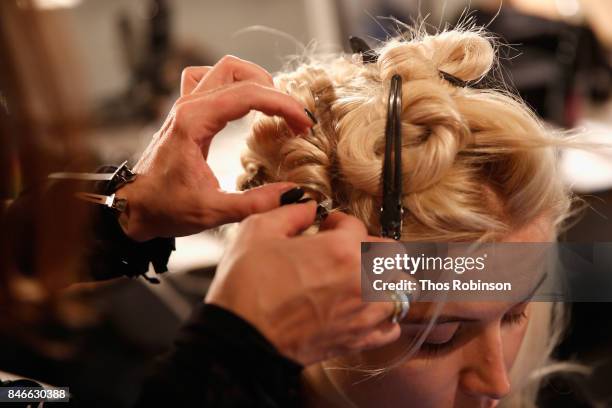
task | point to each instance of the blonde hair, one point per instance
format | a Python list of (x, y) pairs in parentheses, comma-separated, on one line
[(477, 163)]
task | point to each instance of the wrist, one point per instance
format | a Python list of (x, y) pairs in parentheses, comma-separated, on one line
[(132, 220), (276, 334)]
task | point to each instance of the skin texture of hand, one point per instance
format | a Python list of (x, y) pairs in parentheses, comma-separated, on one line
[(303, 292), (176, 192)]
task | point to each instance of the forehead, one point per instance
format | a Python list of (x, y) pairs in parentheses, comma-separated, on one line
[(540, 229)]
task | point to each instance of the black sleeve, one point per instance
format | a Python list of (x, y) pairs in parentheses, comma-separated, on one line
[(116, 253), (220, 360), (113, 254)]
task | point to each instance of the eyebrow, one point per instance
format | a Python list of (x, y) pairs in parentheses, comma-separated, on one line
[(458, 319), (441, 319), (536, 287), (452, 318)]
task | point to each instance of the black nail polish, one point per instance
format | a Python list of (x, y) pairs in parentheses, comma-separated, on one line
[(322, 213), (291, 196), (311, 116)]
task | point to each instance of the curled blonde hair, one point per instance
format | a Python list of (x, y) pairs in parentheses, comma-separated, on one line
[(455, 141), (477, 163)]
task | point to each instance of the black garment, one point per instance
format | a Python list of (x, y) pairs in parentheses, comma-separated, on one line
[(218, 360)]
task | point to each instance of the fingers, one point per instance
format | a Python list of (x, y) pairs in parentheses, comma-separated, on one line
[(234, 207), (232, 69), (369, 316), (286, 221), (191, 77), (228, 70), (385, 333), (370, 328), (205, 116), (339, 221)]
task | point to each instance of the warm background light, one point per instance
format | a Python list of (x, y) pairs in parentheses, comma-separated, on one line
[(55, 4)]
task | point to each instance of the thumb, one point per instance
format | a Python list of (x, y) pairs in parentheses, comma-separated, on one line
[(234, 207)]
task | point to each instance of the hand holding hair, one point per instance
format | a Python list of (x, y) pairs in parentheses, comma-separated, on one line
[(302, 292), (176, 192)]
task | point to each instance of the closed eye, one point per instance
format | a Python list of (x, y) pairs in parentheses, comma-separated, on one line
[(431, 348), (514, 318)]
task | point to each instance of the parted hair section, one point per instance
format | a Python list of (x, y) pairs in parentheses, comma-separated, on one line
[(477, 163)]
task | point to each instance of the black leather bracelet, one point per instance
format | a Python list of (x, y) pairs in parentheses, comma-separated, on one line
[(114, 249)]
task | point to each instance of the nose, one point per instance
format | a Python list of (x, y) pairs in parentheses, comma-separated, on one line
[(485, 373)]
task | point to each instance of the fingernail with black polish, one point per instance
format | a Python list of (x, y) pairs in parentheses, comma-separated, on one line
[(291, 196), (311, 116), (322, 213)]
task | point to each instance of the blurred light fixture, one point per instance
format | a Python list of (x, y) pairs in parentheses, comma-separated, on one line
[(55, 4)]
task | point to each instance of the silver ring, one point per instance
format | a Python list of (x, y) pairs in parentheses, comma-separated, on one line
[(401, 301)]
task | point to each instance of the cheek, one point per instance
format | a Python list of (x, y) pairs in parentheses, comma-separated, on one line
[(420, 383), (425, 383), (512, 338)]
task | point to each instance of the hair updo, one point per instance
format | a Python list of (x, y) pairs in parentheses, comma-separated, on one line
[(477, 163)]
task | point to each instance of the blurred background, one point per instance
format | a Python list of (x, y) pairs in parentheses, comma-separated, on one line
[(118, 63)]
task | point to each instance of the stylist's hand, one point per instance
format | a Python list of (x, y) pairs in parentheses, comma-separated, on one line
[(302, 292), (176, 193)]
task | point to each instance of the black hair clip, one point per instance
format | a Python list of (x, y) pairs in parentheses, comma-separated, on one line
[(458, 82), (359, 46), (453, 79), (392, 211), (369, 56)]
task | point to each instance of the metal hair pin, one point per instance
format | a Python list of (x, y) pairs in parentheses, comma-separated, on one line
[(460, 83), (323, 210), (369, 56), (392, 211), (359, 46)]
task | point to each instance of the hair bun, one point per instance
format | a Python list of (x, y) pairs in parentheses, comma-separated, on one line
[(467, 55), (457, 142), (407, 58)]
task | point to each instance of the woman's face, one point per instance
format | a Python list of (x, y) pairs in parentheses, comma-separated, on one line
[(464, 361)]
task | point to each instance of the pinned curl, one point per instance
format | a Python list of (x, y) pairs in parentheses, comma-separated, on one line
[(460, 143)]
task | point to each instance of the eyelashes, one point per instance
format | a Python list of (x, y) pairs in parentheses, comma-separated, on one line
[(514, 318), (431, 350), (434, 349)]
